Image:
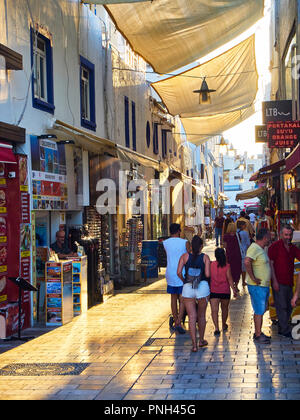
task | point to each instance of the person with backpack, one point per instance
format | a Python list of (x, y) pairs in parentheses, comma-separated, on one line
[(220, 283), (195, 287)]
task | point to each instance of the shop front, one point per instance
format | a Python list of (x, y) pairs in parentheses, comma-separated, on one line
[(15, 232)]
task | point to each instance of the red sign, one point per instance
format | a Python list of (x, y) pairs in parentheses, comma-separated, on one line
[(283, 134)]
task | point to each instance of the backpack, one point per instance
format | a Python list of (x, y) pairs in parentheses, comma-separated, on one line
[(195, 270)]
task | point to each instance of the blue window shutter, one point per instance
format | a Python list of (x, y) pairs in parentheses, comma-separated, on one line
[(164, 143), (155, 139), (127, 133), (133, 117)]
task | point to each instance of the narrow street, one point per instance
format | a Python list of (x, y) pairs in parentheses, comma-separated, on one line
[(123, 350)]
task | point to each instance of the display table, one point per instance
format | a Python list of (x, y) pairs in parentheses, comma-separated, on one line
[(59, 293), (79, 280)]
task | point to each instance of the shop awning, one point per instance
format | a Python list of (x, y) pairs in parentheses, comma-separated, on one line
[(130, 156), (255, 176), (244, 195), (200, 129), (269, 171), (170, 34), (82, 138), (6, 154), (232, 74), (293, 159)]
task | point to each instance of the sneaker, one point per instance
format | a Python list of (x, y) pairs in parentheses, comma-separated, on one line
[(262, 339), (217, 333), (266, 336), (180, 330)]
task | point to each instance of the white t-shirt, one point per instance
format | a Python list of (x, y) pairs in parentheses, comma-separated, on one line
[(175, 248), (252, 217)]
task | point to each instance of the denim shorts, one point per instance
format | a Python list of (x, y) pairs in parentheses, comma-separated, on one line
[(202, 291), (259, 298), (173, 290)]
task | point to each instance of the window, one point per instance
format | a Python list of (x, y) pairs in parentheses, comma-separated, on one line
[(250, 169), (148, 134), (126, 111), (226, 176), (133, 127), (87, 94), (42, 75), (164, 148), (155, 138)]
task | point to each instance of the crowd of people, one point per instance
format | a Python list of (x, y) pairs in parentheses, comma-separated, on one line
[(246, 249)]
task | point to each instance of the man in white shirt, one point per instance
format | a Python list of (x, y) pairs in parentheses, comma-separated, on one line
[(175, 247), (252, 217)]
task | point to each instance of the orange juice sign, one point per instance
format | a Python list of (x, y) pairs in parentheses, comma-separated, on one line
[(283, 134)]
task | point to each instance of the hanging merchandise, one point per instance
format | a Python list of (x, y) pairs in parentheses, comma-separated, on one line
[(134, 242), (15, 244)]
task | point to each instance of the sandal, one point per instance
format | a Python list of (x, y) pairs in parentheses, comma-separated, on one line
[(203, 343)]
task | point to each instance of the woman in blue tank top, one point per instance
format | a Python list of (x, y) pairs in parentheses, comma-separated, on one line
[(196, 287)]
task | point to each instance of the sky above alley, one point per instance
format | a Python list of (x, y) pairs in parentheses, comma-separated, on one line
[(242, 136)]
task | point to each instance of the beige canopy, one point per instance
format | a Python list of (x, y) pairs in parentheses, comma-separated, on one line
[(232, 74), (200, 129), (250, 193), (170, 34)]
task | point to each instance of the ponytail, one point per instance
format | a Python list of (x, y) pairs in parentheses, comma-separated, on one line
[(197, 244), (221, 257)]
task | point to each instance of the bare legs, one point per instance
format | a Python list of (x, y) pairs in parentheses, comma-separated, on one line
[(195, 315), (215, 303), (177, 315)]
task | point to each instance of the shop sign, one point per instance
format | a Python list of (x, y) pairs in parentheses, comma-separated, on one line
[(283, 134), (49, 181), (276, 111), (261, 134)]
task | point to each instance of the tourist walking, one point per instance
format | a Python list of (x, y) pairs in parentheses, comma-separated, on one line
[(175, 247), (249, 227), (282, 256), (220, 283), (252, 217), (227, 220), (244, 243), (218, 226), (258, 280), (196, 287), (233, 253)]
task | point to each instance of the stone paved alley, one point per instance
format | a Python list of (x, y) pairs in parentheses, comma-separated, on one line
[(123, 350)]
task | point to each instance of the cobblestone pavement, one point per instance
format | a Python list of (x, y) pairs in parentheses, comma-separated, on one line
[(123, 350)]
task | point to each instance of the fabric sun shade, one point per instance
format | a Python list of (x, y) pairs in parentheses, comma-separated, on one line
[(250, 193), (232, 74), (200, 129), (170, 34), (6, 154)]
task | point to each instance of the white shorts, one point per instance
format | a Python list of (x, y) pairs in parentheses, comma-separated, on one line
[(202, 291)]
